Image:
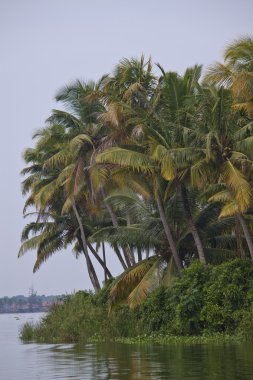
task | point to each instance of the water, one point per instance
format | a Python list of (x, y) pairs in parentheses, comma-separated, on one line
[(117, 361)]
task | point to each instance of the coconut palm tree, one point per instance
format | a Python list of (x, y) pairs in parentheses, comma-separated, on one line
[(225, 136), (88, 136), (137, 282), (45, 182), (172, 125), (236, 73)]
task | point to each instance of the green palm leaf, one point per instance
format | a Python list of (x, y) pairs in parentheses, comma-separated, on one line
[(126, 282), (127, 158), (150, 281), (236, 181)]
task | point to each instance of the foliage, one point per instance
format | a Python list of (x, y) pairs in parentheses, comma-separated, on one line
[(159, 169), (226, 294), (207, 301), (177, 309), (134, 161), (82, 315)]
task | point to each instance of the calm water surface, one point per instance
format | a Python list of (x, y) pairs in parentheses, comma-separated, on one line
[(117, 361)]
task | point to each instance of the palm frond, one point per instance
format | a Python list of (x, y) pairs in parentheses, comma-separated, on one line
[(150, 281), (126, 282), (222, 196), (236, 181), (29, 244), (219, 74), (163, 156), (229, 209), (126, 158)]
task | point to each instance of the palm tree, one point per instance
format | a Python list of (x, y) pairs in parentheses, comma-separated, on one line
[(136, 161), (225, 136), (44, 182), (171, 138), (84, 109), (155, 166), (236, 73)]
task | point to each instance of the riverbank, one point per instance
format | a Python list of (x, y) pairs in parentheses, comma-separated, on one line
[(210, 303)]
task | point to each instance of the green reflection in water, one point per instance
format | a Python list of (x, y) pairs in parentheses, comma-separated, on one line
[(175, 362)]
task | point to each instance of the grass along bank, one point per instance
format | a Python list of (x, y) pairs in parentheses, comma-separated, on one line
[(209, 304)]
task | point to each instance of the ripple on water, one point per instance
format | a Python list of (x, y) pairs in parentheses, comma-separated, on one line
[(118, 361)]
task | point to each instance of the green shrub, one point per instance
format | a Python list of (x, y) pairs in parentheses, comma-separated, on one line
[(177, 309), (227, 292), (206, 300), (27, 332)]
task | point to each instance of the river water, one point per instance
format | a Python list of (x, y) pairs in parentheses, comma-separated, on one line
[(20, 361)]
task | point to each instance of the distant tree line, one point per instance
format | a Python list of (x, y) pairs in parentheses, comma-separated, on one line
[(31, 303)]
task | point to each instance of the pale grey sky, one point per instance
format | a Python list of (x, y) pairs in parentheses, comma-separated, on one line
[(45, 44)]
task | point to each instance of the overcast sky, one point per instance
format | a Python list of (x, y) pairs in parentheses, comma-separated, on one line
[(46, 44)]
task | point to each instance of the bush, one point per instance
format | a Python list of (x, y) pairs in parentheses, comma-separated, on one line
[(27, 332), (206, 300), (226, 295)]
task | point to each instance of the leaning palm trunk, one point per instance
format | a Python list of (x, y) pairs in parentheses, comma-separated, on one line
[(122, 262), (101, 262), (129, 250), (191, 224), (104, 259), (127, 254), (169, 235), (247, 234), (90, 267)]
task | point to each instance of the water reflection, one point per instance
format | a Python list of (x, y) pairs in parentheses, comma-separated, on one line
[(119, 361)]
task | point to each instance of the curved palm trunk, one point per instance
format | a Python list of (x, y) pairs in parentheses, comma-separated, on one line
[(104, 259), (90, 267), (127, 254), (247, 234), (191, 224), (101, 262), (129, 250), (169, 235), (117, 251)]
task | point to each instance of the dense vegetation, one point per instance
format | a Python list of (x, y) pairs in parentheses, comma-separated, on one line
[(159, 168), (206, 302)]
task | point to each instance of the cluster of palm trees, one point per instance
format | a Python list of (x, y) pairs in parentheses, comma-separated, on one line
[(156, 167)]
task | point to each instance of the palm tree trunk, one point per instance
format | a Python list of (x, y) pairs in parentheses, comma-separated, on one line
[(191, 224), (112, 214), (238, 238), (247, 234), (168, 234), (117, 251), (129, 250), (115, 224), (139, 253), (101, 262), (104, 259), (90, 267)]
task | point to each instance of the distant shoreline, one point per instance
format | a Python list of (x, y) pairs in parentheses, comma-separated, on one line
[(31, 304), (25, 312)]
